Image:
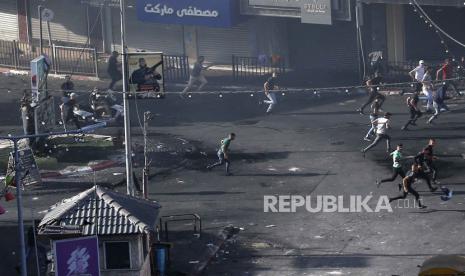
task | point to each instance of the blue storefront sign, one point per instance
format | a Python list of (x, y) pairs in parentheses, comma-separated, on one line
[(212, 13)]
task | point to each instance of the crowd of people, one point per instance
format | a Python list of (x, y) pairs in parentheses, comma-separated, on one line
[(433, 88), (434, 92)]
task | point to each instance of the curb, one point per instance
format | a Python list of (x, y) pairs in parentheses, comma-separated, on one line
[(224, 235), (77, 171)]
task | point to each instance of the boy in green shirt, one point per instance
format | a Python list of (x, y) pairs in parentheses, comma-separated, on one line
[(396, 166), (223, 153)]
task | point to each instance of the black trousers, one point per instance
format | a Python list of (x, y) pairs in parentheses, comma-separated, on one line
[(395, 172), (426, 178), (404, 194), (115, 77), (432, 168), (371, 97), (71, 117), (414, 115)]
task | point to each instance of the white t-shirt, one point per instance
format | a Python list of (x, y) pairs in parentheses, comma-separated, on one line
[(382, 125), (427, 82), (419, 72)]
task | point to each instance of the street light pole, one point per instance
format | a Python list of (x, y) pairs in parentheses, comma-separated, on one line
[(145, 174), (41, 46), (19, 203), (127, 119)]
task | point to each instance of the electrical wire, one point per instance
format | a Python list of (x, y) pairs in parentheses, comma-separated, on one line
[(87, 44), (436, 26), (436, 31), (296, 90)]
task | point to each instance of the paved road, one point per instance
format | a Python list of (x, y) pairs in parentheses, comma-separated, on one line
[(310, 146)]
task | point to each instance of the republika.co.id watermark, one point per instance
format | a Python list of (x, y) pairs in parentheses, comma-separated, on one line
[(333, 204)]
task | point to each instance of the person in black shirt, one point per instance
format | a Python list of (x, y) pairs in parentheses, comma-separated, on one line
[(146, 78), (68, 85), (269, 86), (425, 158), (373, 93), (197, 76), (415, 113), (67, 109), (114, 69), (438, 102), (407, 187)]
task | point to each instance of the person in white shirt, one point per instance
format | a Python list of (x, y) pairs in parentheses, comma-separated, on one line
[(382, 125), (428, 88), (417, 75)]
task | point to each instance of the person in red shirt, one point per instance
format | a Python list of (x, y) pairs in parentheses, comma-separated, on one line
[(447, 73)]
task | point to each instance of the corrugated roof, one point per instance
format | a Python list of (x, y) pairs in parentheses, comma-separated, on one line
[(111, 212)]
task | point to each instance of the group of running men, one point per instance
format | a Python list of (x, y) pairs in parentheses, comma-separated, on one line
[(435, 94)]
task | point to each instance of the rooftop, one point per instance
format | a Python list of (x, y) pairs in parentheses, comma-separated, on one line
[(111, 212)]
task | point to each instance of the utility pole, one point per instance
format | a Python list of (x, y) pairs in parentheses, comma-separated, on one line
[(127, 119), (358, 26), (145, 174), (41, 46)]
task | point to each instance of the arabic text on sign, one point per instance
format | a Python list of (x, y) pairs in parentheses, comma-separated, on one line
[(190, 11)]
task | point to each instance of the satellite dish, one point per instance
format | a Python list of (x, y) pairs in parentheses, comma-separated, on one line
[(47, 15)]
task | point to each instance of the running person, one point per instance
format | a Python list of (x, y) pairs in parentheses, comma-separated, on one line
[(397, 169), (415, 113), (223, 153), (417, 75), (438, 102), (428, 87), (426, 157), (407, 187), (375, 106), (446, 73), (373, 93), (382, 125), (269, 86)]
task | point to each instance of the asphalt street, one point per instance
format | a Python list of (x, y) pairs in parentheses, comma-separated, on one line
[(309, 146)]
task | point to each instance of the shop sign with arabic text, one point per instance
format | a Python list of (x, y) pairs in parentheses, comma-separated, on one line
[(213, 13)]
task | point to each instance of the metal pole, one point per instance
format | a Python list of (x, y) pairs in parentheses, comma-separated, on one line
[(127, 121), (41, 49), (35, 242), (19, 202), (146, 159)]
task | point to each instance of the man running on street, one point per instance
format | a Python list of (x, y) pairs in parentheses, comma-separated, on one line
[(269, 86), (396, 166), (223, 153), (373, 92), (375, 106), (438, 102), (428, 87), (426, 157), (417, 75), (446, 73), (415, 113), (407, 187), (382, 124), (196, 76)]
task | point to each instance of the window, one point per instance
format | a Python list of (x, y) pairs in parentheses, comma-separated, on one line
[(117, 255)]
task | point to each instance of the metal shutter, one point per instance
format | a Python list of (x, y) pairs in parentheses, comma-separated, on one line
[(323, 47), (148, 36), (69, 24), (8, 20), (218, 45)]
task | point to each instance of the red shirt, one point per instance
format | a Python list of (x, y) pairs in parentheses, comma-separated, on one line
[(446, 71)]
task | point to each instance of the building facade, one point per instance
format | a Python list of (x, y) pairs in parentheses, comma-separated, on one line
[(314, 37)]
